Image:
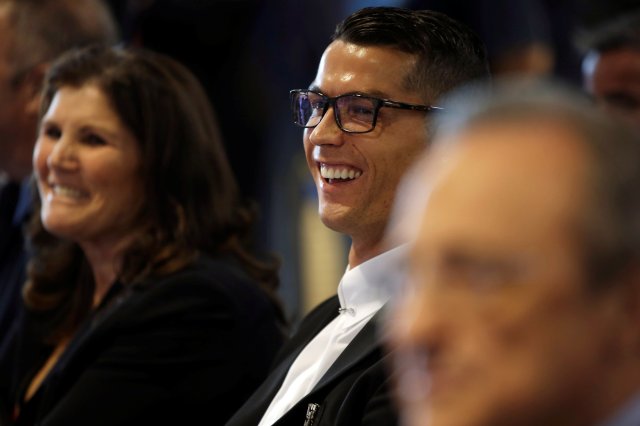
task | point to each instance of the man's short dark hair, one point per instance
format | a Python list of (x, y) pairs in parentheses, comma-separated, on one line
[(448, 53)]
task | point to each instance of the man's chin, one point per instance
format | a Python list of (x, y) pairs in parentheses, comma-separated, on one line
[(336, 217)]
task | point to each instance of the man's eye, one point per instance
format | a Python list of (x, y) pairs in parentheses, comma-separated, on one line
[(481, 275), (361, 110), (484, 277), (623, 101)]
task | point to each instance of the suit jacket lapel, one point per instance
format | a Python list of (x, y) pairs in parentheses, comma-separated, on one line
[(312, 325), (366, 341), (252, 411), (93, 329), (256, 406)]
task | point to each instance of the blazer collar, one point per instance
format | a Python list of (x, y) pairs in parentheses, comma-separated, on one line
[(365, 342), (256, 406)]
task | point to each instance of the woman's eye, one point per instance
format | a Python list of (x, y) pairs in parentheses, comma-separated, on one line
[(52, 132), (93, 139)]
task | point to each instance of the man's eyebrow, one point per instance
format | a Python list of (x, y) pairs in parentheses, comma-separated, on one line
[(372, 93)]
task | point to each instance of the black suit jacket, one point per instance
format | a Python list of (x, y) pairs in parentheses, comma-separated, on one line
[(354, 391), (191, 345), (15, 208)]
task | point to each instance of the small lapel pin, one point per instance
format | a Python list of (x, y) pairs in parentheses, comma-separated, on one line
[(312, 409)]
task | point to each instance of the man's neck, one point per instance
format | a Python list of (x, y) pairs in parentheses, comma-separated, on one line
[(358, 254)]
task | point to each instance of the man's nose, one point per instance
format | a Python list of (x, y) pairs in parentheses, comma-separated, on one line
[(327, 132)]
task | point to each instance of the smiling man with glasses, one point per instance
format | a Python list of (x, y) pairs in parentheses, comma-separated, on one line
[(366, 118)]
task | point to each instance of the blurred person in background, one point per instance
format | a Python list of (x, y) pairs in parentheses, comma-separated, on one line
[(517, 33), (366, 117), (33, 33), (143, 303), (522, 305), (611, 66), (212, 39)]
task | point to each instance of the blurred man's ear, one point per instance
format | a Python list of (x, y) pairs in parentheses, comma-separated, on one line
[(30, 87)]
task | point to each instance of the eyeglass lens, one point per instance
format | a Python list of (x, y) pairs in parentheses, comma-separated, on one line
[(354, 113)]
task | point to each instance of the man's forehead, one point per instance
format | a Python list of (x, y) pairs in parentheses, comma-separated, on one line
[(519, 135), (379, 71), (511, 172)]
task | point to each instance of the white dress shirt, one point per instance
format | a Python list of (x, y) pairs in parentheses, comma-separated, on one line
[(362, 291)]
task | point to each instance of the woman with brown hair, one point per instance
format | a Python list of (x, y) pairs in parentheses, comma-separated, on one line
[(144, 304)]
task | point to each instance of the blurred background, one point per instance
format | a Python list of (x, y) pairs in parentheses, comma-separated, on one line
[(250, 53)]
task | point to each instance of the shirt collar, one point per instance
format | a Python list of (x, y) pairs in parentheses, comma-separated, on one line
[(373, 281)]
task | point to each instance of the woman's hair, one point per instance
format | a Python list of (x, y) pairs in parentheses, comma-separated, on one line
[(192, 201)]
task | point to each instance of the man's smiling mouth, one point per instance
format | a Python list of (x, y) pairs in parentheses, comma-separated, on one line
[(334, 174)]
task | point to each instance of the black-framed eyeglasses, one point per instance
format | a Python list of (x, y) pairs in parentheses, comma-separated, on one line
[(354, 113)]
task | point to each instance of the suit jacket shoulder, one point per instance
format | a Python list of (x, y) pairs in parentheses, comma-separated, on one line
[(310, 325)]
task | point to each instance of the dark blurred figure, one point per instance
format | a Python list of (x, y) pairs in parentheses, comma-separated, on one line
[(143, 303), (611, 66), (531, 37), (212, 39), (522, 306), (596, 12), (517, 33), (33, 33)]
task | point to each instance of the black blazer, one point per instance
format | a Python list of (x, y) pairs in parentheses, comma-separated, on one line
[(191, 345), (354, 391), (14, 214)]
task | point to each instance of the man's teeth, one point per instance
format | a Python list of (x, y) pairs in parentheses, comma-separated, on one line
[(339, 173), (65, 191)]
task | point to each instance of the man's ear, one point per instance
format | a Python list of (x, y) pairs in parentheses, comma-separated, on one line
[(31, 87)]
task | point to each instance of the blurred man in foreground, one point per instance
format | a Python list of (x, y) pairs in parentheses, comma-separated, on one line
[(523, 303)]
